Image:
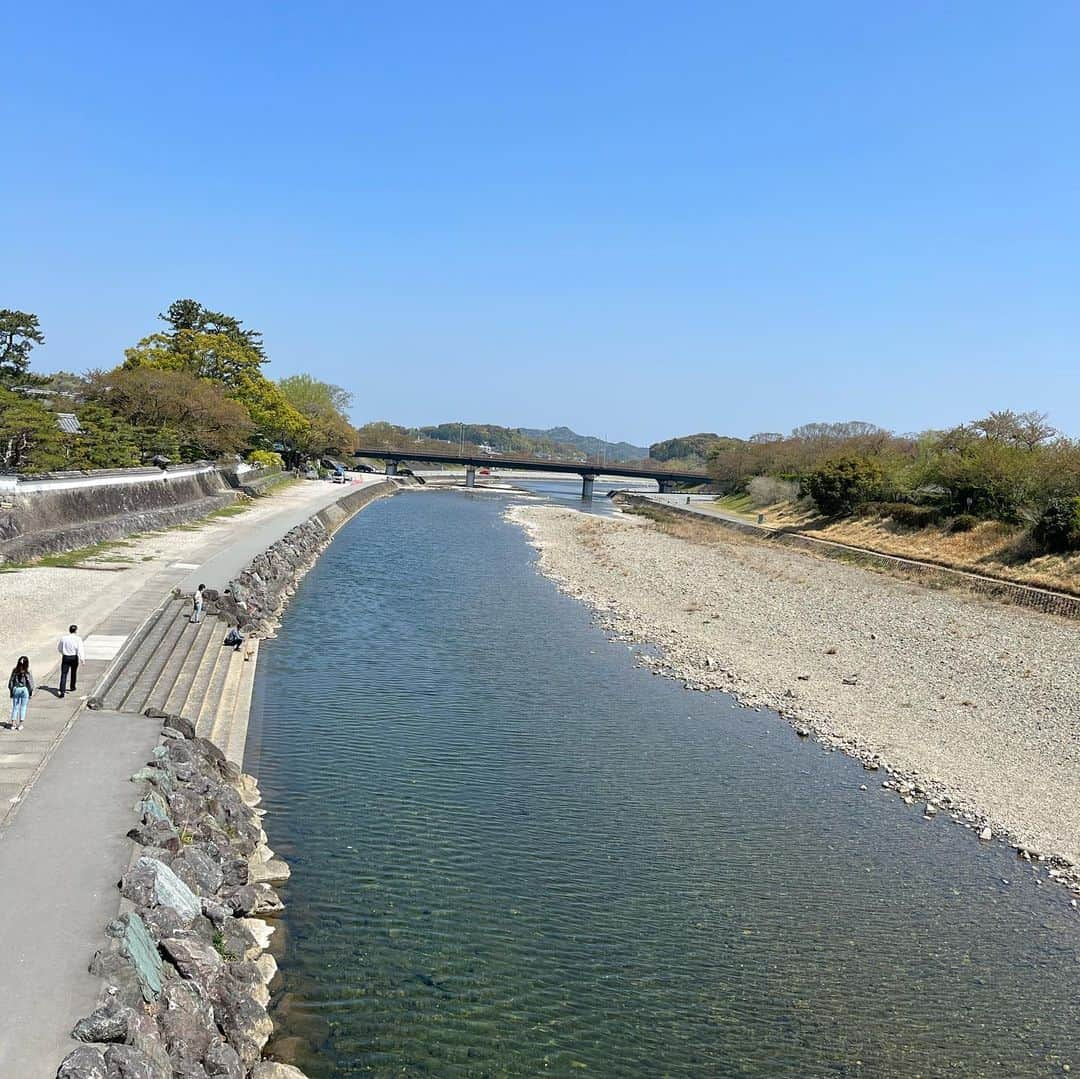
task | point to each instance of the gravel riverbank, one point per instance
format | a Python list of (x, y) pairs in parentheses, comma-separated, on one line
[(973, 706)]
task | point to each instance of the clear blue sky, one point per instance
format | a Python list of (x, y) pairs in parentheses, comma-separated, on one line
[(637, 219)]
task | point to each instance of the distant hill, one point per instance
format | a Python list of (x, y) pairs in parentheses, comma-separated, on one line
[(558, 442), (590, 445), (687, 447)]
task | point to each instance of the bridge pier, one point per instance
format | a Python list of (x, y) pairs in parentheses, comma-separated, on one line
[(586, 487), (391, 467), (666, 486), (470, 476)]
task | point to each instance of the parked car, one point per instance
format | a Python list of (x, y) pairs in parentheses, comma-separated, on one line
[(363, 468)]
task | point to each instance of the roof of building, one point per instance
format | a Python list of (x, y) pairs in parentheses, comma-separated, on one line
[(68, 422)]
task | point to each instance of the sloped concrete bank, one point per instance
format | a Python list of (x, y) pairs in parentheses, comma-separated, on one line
[(186, 968), (65, 511)]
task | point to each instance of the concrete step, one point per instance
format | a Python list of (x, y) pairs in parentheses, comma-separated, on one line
[(176, 671), (188, 692), (234, 737), (156, 660), (135, 663), (226, 703), (212, 697), (200, 680)]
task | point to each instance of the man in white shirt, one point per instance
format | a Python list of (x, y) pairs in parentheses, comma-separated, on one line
[(70, 647)]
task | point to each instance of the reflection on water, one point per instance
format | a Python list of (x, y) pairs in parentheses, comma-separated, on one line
[(515, 853)]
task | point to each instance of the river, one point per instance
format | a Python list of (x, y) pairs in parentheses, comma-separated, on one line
[(515, 852)]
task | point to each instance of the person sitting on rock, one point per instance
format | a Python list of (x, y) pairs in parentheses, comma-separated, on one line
[(234, 638)]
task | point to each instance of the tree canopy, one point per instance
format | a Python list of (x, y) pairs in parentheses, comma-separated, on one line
[(19, 333), (324, 406), (212, 346)]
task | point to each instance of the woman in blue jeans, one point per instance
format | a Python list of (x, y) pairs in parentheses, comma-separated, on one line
[(21, 688)]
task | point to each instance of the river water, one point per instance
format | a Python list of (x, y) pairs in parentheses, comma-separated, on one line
[(516, 853)]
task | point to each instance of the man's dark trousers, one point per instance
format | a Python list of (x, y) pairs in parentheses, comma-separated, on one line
[(68, 665)]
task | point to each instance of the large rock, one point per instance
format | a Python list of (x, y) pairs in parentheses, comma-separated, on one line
[(255, 899), (196, 959), (106, 1023), (151, 883), (271, 1069), (138, 947), (182, 726), (222, 1061), (127, 1062), (274, 871), (198, 871), (186, 1022), (156, 833), (144, 1036), (244, 1022), (86, 1062)]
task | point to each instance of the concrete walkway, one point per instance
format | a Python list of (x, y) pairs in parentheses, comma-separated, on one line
[(107, 620), (65, 794), (59, 865)]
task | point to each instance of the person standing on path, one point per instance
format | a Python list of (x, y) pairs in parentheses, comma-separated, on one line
[(70, 647), (197, 605), (21, 688)]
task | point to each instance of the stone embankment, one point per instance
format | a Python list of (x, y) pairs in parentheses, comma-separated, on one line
[(968, 708), (41, 515), (256, 598), (186, 967)]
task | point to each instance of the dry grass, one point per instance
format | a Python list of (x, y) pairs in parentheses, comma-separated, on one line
[(992, 548)]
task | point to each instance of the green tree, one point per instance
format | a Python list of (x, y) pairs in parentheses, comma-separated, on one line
[(30, 440), (190, 315), (107, 441), (1058, 527), (19, 333), (984, 476), (324, 406), (839, 485), (198, 417), (210, 345)]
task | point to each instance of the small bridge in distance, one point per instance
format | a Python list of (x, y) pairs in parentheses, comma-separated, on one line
[(667, 481)]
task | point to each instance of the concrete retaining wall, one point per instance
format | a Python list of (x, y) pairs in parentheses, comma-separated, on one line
[(41, 515), (1038, 599)]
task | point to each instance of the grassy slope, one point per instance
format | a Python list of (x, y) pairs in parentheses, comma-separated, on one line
[(992, 548)]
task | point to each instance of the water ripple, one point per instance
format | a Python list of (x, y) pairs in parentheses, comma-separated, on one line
[(515, 853)]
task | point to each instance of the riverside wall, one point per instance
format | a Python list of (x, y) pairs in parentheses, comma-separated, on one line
[(61, 511), (186, 964)]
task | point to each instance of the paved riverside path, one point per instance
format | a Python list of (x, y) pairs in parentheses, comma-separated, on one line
[(59, 865), (65, 795), (107, 619)]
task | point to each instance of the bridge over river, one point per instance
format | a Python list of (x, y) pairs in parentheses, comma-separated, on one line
[(666, 480)]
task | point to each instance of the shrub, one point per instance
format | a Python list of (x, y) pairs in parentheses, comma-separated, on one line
[(839, 485), (910, 516), (1058, 528), (963, 522), (265, 459), (767, 490)]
